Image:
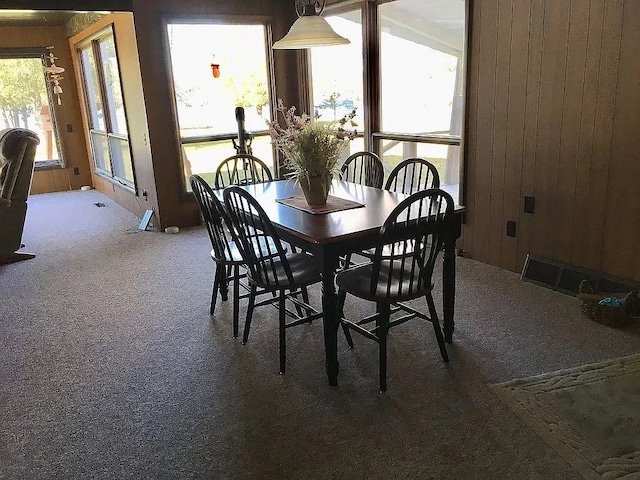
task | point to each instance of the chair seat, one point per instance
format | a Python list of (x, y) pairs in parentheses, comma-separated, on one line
[(232, 255), (305, 270), (357, 281), (386, 251), (262, 244)]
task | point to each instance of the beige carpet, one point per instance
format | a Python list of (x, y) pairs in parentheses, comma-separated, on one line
[(590, 415)]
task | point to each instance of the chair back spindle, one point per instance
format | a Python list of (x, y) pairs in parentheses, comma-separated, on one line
[(364, 168), (215, 218), (242, 169), (412, 175), (413, 237), (250, 222)]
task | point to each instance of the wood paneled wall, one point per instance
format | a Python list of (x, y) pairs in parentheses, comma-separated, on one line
[(553, 112)]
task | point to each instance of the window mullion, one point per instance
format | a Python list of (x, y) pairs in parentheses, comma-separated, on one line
[(371, 73)]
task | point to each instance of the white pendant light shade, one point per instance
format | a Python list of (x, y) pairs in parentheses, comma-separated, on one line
[(310, 31)]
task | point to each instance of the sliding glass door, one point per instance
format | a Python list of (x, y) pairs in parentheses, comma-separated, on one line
[(106, 109)]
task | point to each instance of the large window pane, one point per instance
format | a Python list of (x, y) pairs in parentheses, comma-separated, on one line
[(211, 78), (393, 152), (203, 158), (24, 103), (112, 86), (422, 70), (206, 104), (418, 85), (337, 72), (121, 158), (92, 87), (100, 149)]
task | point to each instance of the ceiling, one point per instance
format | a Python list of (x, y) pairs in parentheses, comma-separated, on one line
[(34, 18), (439, 24)]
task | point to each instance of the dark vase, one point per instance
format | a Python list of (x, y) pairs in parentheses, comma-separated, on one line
[(316, 190)]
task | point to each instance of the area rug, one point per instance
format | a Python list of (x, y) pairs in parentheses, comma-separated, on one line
[(590, 415)]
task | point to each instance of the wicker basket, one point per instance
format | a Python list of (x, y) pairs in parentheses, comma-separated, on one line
[(605, 314)]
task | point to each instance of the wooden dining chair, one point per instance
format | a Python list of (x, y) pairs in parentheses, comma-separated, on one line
[(412, 175), (225, 252), (404, 273), (364, 168), (409, 176), (273, 269), (241, 169)]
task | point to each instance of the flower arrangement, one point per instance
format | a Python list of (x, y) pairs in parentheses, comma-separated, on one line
[(311, 149)]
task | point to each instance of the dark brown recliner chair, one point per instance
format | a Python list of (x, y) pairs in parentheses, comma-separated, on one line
[(17, 156)]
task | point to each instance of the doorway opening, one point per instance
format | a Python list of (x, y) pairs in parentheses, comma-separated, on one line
[(25, 101)]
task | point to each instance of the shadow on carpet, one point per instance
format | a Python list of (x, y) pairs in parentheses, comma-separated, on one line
[(590, 414), (632, 328)]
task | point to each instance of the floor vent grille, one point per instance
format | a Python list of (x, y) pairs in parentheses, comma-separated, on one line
[(566, 278)]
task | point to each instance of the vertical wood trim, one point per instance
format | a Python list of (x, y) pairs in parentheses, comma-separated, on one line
[(550, 119), (465, 87), (471, 122), (532, 107), (580, 255), (497, 220), (371, 84), (485, 122), (570, 128), (603, 132), (636, 271), (556, 121), (304, 77), (629, 116), (621, 242), (518, 72)]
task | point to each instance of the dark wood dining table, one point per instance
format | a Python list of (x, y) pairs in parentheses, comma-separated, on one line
[(330, 235)]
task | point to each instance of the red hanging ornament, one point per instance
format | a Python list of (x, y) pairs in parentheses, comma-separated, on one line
[(215, 70)]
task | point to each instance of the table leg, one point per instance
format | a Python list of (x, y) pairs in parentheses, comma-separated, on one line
[(449, 288), (330, 319)]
